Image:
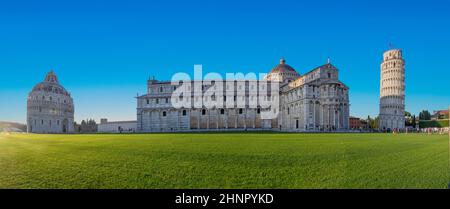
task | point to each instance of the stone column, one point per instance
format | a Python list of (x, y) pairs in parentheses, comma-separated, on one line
[(178, 119), (236, 117), (198, 118), (330, 116), (338, 119), (217, 118), (226, 117), (254, 118), (314, 115), (207, 118), (321, 115), (333, 109), (245, 118), (159, 119), (307, 114)]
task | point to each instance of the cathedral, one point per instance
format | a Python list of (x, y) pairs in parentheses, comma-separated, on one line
[(313, 102), (50, 107)]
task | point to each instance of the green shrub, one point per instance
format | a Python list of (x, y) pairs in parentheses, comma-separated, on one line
[(433, 123)]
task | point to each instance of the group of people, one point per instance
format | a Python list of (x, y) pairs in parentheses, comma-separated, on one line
[(422, 130), (434, 130)]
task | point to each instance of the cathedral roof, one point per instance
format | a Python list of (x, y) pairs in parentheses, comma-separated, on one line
[(51, 84), (325, 66), (283, 68)]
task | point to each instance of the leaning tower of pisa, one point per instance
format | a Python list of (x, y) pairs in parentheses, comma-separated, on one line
[(392, 91)]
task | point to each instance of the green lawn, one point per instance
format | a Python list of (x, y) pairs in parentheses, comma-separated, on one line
[(224, 160)]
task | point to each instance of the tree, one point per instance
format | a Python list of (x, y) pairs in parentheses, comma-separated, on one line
[(88, 126), (369, 126), (424, 115), (427, 115), (372, 123), (408, 119), (375, 123), (407, 114), (91, 122)]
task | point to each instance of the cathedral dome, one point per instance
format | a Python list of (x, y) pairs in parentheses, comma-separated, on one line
[(283, 68), (282, 73)]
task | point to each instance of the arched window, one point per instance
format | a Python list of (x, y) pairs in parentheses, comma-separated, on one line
[(203, 112), (258, 110), (164, 113), (184, 112)]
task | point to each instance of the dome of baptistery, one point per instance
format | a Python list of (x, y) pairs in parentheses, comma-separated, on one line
[(50, 107), (282, 73)]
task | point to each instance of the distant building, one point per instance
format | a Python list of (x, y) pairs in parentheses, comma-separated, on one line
[(392, 91), (12, 127), (86, 126), (355, 123), (50, 107), (116, 126), (439, 115), (364, 124)]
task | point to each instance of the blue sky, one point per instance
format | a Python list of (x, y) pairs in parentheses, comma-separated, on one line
[(104, 51)]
